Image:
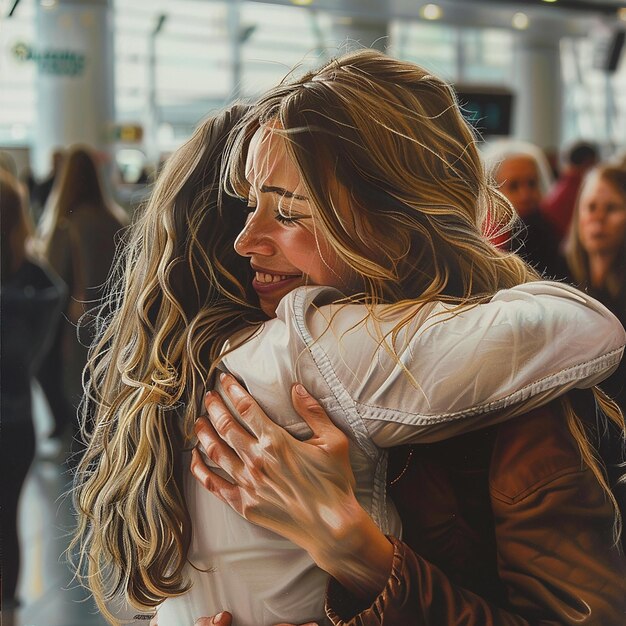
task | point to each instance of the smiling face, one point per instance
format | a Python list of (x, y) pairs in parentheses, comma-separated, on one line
[(279, 237), (601, 217)]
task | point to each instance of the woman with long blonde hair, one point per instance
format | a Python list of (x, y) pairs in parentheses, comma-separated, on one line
[(596, 256), (367, 198), (596, 247)]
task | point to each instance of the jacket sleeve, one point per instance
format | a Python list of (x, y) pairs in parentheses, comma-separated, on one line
[(417, 593), (445, 372), (555, 549)]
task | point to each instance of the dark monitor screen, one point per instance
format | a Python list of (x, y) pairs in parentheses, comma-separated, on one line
[(488, 111)]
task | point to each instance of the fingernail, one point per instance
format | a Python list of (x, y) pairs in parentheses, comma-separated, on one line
[(235, 391), (301, 391), (218, 618), (223, 378)]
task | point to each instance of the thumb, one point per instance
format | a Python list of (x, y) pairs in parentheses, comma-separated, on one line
[(221, 619), (310, 410)]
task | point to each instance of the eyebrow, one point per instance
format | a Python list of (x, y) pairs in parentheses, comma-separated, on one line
[(282, 192)]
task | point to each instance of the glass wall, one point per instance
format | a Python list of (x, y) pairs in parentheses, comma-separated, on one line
[(177, 61)]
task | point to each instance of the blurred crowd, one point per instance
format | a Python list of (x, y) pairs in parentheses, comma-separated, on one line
[(58, 244), (59, 237)]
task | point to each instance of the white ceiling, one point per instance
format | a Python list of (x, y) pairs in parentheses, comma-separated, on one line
[(563, 17)]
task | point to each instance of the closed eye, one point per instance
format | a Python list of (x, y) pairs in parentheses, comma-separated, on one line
[(288, 219)]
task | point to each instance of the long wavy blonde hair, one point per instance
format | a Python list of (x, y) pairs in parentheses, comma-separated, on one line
[(178, 292), (391, 138)]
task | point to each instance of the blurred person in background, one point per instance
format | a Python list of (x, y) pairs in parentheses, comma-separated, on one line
[(7, 164), (596, 251), (77, 233), (558, 205), (40, 191), (523, 174), (31, 297)]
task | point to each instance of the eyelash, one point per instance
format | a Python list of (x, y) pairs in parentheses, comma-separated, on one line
[(282, 219)]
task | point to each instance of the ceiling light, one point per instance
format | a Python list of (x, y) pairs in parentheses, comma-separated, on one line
[(302, 3), (520, 21), (48, 4), (431, 12), (549, 0)]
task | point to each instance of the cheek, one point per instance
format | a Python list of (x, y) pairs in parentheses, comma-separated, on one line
[(299, 247), (618, 225), (583, 222)]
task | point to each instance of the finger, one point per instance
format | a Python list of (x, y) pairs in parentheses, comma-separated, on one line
[(255, 418), (310, 410), (221, 619), (224, 490), (225, 423), (216, 448)]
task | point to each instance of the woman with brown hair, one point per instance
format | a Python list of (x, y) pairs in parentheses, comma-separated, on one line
[(367, 198), (77, 235)]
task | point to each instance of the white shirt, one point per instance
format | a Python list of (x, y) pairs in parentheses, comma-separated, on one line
[(443, 374)]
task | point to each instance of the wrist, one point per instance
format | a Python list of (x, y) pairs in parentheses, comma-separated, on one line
[(356, 553)]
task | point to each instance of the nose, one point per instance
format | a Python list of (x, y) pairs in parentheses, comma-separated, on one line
[(254, 238)]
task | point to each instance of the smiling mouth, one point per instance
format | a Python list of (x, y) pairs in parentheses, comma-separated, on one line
[(269, 279)]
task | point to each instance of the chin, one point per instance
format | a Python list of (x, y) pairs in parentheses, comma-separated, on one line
[(269, 308)]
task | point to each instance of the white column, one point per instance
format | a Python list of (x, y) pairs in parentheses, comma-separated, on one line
[(75, 88), (537, 82)]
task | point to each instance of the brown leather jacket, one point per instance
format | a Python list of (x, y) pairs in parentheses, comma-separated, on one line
[(504, 528)]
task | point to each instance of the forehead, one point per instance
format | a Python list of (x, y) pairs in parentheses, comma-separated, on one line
[(518, 167), (269, 163), (597, 186)]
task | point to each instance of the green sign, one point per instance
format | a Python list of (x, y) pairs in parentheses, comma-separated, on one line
[(55, 62)]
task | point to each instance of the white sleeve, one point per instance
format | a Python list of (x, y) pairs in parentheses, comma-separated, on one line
[(447, 372)]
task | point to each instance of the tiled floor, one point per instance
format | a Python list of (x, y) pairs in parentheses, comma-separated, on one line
[(48, 595)]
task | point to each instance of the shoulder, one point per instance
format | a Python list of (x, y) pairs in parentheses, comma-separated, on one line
[(531, 452)]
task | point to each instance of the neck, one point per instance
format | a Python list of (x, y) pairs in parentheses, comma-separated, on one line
[(599, 267)]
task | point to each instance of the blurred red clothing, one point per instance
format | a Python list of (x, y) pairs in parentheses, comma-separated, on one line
[(558, 205)]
